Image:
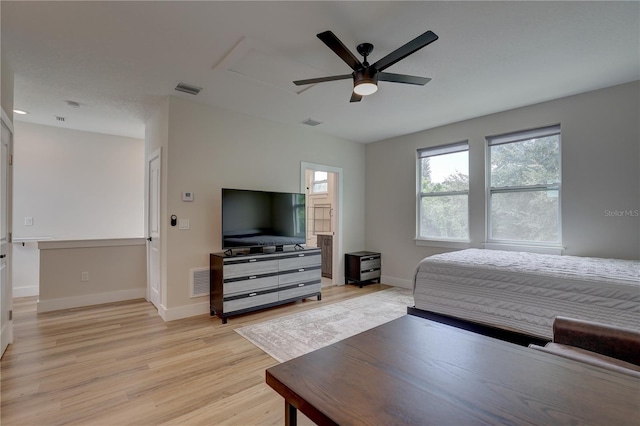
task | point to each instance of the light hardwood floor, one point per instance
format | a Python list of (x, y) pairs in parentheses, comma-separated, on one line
[(121, 364)]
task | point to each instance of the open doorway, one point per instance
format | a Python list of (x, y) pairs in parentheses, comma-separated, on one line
[(322, 185)]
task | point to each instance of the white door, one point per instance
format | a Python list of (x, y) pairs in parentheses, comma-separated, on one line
[(153, 230), (6, 325)]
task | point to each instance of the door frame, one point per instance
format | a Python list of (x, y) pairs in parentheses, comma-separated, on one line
[(6, 328), (155, 154), (336, 277)]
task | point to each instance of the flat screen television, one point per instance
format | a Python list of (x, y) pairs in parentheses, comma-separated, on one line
[(257, 219)]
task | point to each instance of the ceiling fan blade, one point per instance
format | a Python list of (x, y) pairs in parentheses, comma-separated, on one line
[(322, 79), (403, 78), (340, 49), (406, 50), (355, 97)]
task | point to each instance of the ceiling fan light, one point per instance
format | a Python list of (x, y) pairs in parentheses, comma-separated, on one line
[(365, 88)]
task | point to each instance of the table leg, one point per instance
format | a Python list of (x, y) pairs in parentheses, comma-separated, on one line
[(290, 415)]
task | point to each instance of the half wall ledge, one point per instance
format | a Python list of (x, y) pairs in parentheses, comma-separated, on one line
[(77, 273)]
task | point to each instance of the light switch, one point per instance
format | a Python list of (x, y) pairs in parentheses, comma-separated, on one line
[(28, 221), (183, 224)]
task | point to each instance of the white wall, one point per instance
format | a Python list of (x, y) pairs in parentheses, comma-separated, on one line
[(74, 185), (6, 87), (77, 184), (211, 148), (600, 171)]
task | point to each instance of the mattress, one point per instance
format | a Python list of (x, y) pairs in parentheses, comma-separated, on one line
[(524, 292)]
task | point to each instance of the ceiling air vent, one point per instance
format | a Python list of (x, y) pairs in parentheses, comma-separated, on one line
[(311, 122), (188, 88), (60, 119)]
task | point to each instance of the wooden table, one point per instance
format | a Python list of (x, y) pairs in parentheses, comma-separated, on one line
[(415, 371)]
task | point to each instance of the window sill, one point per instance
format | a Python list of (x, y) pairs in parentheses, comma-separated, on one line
[(527, 248), (461, 244)]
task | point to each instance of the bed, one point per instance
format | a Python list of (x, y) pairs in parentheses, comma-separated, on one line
[(524, 292)]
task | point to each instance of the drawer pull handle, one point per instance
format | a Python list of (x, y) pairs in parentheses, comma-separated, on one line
[(253, 294), (252, 260), (371, 270), (252, 277), (301, 270), (301, 255), (301, 285)]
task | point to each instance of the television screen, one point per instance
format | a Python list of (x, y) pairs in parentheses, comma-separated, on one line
[(255, 219)]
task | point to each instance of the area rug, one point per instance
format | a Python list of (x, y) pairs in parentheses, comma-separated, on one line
[(293, 335)]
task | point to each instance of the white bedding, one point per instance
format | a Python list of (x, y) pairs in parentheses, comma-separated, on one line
[(525, 291)]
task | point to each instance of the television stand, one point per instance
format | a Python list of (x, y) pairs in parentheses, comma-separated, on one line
[(240, 284)]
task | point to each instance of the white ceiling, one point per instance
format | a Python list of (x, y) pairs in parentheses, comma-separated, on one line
[(120, 59)]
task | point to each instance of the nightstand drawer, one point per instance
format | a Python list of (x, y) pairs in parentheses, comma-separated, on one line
[(369, 263), (371, 274)]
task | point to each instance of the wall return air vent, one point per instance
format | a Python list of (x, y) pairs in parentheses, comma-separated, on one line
[(188, 88)]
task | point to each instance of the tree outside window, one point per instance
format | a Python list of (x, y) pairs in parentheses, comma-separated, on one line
[(443, 204), (524, 187)]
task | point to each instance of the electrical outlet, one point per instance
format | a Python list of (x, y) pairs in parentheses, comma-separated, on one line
[(84, 276), (28, 221)]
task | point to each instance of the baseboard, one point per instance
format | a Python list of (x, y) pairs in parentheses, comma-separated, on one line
[(26, 291), (396, 282), (90, 299), (172, 314)]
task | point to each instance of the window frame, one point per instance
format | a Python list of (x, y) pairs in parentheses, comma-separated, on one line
[(515, 137), (462, 146)]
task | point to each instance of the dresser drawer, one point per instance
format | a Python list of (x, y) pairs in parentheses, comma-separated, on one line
[(249, 284), (300, 260), (299, 290), (249, 267), (299, 275), (250, 300)]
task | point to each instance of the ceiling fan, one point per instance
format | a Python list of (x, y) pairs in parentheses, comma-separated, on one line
[(366, 76)]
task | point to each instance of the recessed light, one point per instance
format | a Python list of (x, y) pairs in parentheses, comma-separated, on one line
[(21, 112), (311, 122)]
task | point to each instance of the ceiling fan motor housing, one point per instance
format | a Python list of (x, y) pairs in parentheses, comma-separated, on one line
[(365, 75)]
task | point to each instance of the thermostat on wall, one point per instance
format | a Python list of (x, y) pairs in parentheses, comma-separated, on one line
[(187, 196)]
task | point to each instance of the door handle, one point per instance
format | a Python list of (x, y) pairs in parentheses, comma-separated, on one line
[(149, 239), (2, 256)]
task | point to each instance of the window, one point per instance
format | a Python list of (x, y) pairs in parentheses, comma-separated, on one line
[(523, 195), (320, 183), (443, 192)]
